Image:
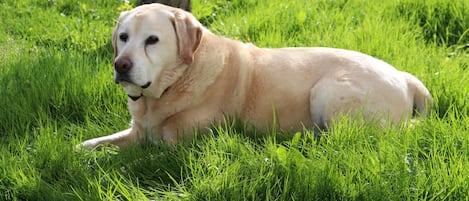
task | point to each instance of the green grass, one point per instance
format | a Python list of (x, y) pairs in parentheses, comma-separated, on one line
[(56, 90)]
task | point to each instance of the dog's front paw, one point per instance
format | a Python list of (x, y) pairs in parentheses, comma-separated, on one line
[(88, 145)]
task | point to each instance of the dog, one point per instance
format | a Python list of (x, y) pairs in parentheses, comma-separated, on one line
[(179, 76)]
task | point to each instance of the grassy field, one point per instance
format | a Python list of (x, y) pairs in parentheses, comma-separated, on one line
[(56, 90)]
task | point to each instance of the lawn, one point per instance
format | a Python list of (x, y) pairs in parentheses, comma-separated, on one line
[(57, 89)]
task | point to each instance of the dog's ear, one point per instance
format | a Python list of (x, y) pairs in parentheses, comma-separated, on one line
[(115, 34), (114, 40), (189, 33)]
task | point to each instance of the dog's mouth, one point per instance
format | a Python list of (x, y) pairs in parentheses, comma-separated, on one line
[(146, 85), (121, 77), (133, 88), (135, 98)]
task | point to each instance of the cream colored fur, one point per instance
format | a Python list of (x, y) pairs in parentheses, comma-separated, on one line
[(198, 77)]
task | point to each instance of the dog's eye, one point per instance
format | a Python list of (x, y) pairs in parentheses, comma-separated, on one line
[(123, 37), (151, 40)]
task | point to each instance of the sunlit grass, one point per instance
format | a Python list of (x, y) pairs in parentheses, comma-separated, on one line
[(56, 90)]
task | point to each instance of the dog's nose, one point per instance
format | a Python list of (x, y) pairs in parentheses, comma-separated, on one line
[(122, 65)]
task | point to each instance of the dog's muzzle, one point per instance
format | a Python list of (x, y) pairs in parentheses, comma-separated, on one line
[(135, 98), (119, 77), (122, 66)]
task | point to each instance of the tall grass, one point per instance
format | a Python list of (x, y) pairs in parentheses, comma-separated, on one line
[(56, 90)]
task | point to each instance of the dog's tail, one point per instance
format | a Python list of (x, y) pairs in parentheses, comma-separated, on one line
[(421, 96)]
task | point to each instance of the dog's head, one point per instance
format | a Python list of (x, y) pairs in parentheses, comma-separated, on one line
[(153, 45)]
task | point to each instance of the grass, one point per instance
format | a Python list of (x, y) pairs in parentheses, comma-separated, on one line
[(57, 90)]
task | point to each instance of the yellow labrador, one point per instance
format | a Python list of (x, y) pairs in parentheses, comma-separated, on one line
[(179, 76)]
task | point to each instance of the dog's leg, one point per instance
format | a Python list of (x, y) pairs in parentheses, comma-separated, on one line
[(330, 98), (181, 127), (318, 103), (121, 139)]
